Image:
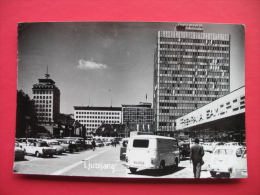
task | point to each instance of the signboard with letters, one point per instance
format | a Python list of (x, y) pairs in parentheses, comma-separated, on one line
[(229, 105)]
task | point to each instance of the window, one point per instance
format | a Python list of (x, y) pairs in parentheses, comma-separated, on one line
[(140, 143), (223, 152)]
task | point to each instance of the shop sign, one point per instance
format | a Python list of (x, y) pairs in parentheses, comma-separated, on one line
[(229, 105)]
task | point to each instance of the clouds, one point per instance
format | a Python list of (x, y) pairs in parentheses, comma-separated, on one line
[(90, 65)]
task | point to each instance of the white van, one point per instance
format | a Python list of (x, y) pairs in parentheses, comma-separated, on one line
[(151, 152)]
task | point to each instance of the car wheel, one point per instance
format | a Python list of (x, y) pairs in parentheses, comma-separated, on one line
[(50, 155), (213, 174), (133, 170), (37, 154), (175, 166), (162, 165)]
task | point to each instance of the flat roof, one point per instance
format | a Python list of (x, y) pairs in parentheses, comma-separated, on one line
[(97, 108), (151, 137), (141, 104)]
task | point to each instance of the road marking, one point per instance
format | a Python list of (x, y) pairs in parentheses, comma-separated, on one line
[(77, 164)]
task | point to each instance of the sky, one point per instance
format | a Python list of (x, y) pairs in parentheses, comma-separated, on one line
[(104, 63)]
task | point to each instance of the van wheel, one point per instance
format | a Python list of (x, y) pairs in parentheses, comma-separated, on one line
[(175, 166), (162, 166), (213, 174), (133, 170)]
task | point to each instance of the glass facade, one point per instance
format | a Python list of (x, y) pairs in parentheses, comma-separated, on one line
[(191, 69), (138, 117)]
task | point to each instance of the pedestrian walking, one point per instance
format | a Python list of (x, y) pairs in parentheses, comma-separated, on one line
[(196, 155), (93, 145)]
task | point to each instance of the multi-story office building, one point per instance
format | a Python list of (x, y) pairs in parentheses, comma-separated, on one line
[(94, 117), (138, 116), (191, 69), (47, 100)]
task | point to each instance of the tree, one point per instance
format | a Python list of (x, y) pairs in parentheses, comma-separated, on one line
[(26, 117)]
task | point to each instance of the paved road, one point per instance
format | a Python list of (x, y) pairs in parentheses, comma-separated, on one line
[(103, 162)]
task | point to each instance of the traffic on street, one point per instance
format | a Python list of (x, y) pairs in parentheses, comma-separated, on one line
[(110, 159)]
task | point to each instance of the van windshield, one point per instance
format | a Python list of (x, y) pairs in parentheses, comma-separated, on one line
[(141, 143)]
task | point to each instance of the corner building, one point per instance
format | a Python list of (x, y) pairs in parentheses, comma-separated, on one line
[(191, 69), (46, 96)]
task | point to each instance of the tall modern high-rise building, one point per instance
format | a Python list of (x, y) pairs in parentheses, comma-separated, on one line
[(46, 96), (191, 69)]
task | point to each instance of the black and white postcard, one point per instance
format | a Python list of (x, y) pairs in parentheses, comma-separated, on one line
[(131, 100)]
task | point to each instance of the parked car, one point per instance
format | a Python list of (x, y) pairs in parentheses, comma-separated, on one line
[(239, 170), (88, 144), (80, 145), (123, 148), (68, 145), (184, 150), (208, 147), (26, 141), (18, 152), (55, 144), (223, 159), (108, 142), (232, 144), (39, 149), (99, 143)]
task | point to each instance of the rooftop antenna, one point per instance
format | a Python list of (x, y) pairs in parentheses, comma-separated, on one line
[(146, 98), (111, 102), (47, 75)]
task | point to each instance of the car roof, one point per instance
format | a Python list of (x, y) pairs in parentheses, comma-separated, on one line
[(151, 137), (50, 140), (228, 147)]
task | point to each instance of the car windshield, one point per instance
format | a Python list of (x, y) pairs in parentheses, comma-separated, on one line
[(223, 152), (54, 143), (141, 143), (42, 144), (244, 155)]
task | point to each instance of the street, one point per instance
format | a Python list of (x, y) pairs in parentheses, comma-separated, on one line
[(103, 162)]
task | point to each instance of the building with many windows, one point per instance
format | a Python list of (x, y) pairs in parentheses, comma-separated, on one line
[(46, 96), (191, 69), (94, 117), (138, 117)]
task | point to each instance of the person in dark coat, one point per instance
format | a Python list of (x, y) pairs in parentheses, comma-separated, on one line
[(196, 154), (93, 145)]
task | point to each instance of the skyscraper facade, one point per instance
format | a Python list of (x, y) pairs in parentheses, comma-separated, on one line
[(47, 100), (191, 69)]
